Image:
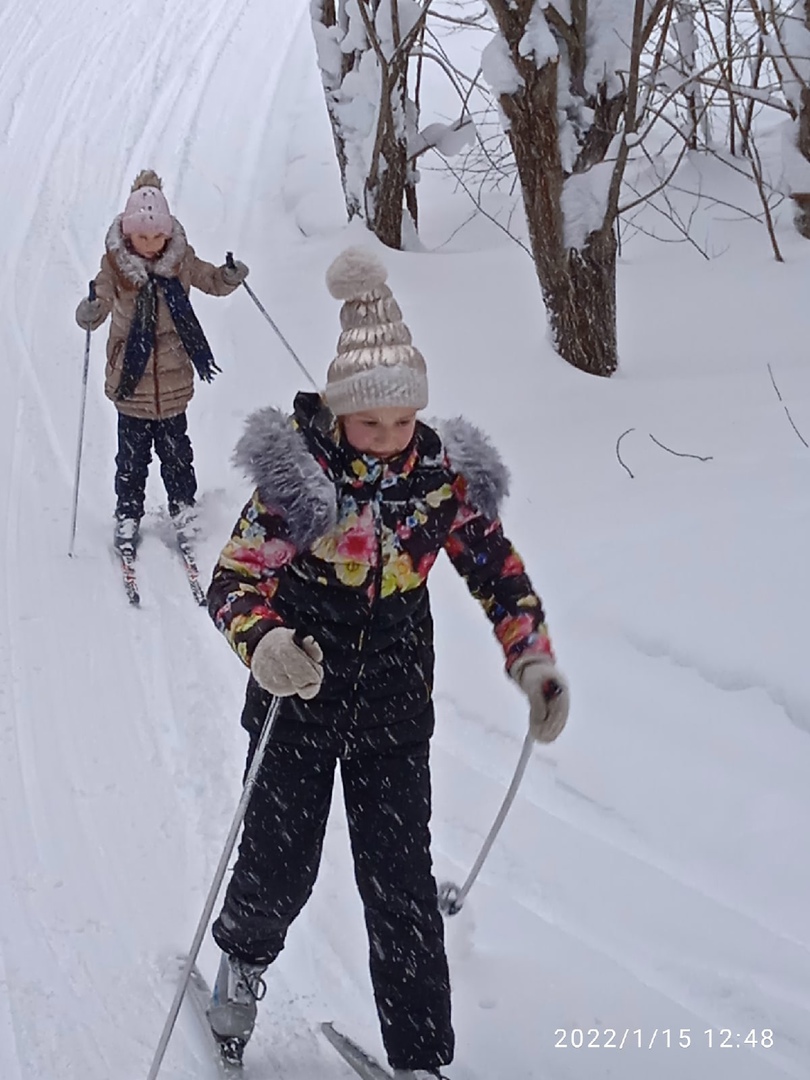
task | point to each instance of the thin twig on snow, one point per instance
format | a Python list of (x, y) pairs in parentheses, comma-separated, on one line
[(619, 456)]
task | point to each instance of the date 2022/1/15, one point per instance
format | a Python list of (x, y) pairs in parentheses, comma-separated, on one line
[(666, 1038)]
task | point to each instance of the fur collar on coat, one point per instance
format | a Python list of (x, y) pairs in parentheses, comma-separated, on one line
[(134, 268), (275, 455)]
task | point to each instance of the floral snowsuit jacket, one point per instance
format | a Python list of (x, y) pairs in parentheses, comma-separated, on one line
[(339, 545)]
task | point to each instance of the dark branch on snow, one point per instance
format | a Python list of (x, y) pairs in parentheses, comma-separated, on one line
[(678, 453), (619, 456), (787, 410)]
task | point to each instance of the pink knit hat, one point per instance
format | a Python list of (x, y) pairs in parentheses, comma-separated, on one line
[(147, 210)]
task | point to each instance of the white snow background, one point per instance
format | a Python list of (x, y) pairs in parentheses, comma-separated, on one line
[(654, 872)]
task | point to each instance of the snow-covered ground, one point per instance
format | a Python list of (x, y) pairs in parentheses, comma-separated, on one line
[(653, 875)]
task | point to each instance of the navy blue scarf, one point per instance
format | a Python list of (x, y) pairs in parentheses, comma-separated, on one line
[(141, 338)]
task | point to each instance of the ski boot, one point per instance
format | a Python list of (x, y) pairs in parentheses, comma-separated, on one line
[(125, 536), (184, 521), (232, 1012)]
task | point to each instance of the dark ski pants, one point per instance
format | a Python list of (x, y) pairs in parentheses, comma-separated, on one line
[(173, 447), (388, 802)]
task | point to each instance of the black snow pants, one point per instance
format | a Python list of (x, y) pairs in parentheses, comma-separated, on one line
[(387, 796), (173, 446)]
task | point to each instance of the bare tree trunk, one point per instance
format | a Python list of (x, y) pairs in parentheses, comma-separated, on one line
[(579, 287), (747, 121), (324, 12), (582, 306), (686, 43), (388, 177), (379, 186), (803, 132), (385, 190), (732, 113)]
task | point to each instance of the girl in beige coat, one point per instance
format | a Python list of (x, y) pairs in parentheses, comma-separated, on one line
[(155, 344)]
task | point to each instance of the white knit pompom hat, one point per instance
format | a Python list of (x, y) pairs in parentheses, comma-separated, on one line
[(376, 364)]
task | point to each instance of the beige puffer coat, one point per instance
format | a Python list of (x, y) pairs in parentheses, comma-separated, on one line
[(167, 385)]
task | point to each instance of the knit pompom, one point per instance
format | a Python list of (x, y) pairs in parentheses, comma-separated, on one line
[(147, 178), (354, 273)]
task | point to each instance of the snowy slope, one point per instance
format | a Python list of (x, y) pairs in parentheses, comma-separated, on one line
[(653, 874)]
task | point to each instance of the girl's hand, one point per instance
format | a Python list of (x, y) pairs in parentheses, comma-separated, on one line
[(234, 273), (90, 314), (284, 668), (547, 690)]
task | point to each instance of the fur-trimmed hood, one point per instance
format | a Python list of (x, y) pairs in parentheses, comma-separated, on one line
[(276, 457), (470, 453), (134, 268)]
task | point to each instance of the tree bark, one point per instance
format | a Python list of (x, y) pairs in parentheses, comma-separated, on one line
[(578, 286), (582, 306), (387, 181), (326, 14), (803, 134)]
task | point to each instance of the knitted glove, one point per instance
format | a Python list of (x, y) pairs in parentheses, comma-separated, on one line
[(283, 668), (90, 314), (548, 694), (234, 274)]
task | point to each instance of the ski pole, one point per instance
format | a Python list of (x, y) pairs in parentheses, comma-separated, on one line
[(451, 896), (213, 892), (231, 266), (91, 293)]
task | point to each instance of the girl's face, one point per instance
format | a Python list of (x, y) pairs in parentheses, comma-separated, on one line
[(148, 245), (383, 432)]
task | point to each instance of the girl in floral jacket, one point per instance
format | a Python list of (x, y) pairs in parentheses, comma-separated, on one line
[(355, 499)]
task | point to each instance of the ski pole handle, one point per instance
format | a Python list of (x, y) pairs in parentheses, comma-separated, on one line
[(91, 290), (229, 260)]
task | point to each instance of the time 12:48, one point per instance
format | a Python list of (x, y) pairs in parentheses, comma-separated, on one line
[(725, 1038)]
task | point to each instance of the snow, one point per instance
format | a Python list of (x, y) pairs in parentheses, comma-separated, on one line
[(584, 201), (538, 41), (448, 139), (791, 39), (653, 872), (408, 14), (498, 68), (609, 35)]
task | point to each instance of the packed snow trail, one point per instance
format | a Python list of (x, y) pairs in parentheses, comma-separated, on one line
[(120, 752)]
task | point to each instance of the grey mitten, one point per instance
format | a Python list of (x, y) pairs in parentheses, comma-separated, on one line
[(90, 314), (234, 273), (547, 690), (284, 668)]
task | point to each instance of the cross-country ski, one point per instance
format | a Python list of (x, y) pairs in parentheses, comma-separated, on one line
[(362, 1062), (128, 563)]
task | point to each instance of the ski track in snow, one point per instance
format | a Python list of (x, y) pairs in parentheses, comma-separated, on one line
[(120, 754), (613, 855), (731, 680), (110, 829)]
